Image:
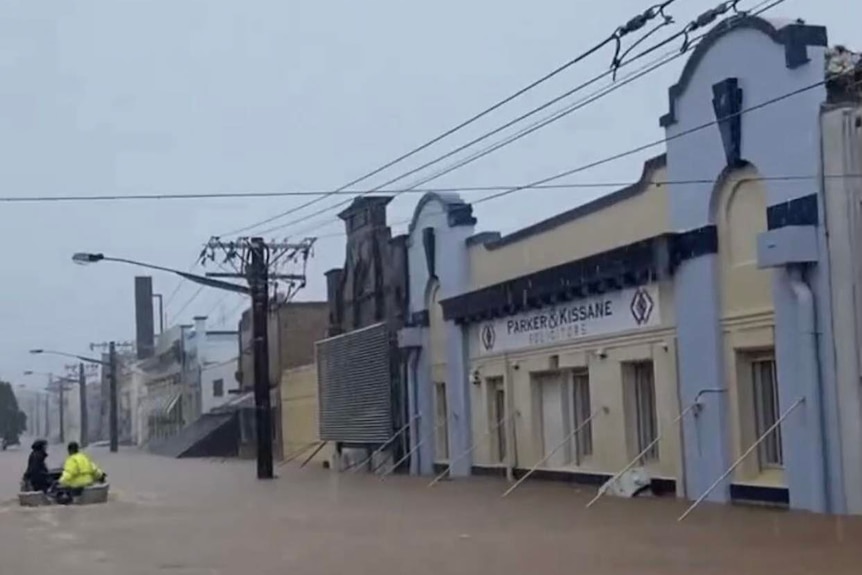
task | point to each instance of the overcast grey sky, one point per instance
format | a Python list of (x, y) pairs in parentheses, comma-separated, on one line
[(159, 96)]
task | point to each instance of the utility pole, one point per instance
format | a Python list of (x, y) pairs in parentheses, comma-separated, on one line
[(62, 398), (82, 392), (258, 281), (257, 257), (78, 372), (47, 416), (113, 392), (112, 374)]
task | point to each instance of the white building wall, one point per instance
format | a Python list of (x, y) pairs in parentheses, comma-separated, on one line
[(224, 371)]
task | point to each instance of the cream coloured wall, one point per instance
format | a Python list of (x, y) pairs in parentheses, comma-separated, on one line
[(439, 367), (642, 216), (611, 448), (604, 358), (299, 411), (748, 322)]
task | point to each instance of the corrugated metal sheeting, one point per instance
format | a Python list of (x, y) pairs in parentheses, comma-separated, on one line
[(354, 379)]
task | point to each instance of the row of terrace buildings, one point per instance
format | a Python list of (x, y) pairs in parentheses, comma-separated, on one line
[(702, 322)]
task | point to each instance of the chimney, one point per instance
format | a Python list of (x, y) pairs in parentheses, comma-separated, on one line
[(144, 316)]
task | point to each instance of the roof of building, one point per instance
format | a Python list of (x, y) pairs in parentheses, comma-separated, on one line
[(493, 240)]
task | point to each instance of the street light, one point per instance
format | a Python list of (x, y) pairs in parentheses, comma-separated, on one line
[(258, 289), (111, 366), (72, 355), (83, 258)]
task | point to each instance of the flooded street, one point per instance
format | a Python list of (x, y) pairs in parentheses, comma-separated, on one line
[(210, 517)]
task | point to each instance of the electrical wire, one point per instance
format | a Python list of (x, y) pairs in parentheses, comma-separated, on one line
[(206, 196), (655, 143), (660, 183), (701, 21), (633, 25), (436, 139), (185, 306)]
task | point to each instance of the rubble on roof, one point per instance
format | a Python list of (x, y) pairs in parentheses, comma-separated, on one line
[(843, 75)]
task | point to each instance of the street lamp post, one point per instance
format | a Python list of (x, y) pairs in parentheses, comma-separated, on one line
[(258, 290), (82, 398), (111, 366)]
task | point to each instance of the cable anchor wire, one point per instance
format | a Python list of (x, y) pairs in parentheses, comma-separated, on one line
[(706, 19), (633, 25)]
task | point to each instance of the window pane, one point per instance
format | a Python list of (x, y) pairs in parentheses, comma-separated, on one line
[(500, 408), (581, 410), (647, 425), (765, 391)]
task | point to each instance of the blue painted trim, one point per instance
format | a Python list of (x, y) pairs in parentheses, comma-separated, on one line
[(627, 266), (458, 212), (727, 105), (693, 244), (429, 243), (483, 238), (419, 319), (796, 38), (802, 211), (740, 493)]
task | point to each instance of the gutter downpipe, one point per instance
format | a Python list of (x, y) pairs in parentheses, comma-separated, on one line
[(808, 359)]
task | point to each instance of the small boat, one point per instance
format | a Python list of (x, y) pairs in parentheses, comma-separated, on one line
[(88, 496), (96, 493)]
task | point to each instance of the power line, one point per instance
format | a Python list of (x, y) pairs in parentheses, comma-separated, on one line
[(654, 143), (700, 22), (634, 24), (188, 302), (169, 196), (660, 183)]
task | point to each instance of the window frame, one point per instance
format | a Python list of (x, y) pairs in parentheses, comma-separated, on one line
[(580, 410), (770, 452), (641, 386)]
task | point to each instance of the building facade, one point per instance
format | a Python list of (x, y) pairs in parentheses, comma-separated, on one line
[(293, 329), (218, 382), (362, 398), (685, 324), (300, 414), (172, 388)]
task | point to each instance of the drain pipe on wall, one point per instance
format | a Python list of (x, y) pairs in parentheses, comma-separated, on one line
[(809, 372)]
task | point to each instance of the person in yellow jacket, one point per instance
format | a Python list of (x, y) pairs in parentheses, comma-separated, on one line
[(79, 472)]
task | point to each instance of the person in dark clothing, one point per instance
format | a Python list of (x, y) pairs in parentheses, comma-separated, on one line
[(37, 475)]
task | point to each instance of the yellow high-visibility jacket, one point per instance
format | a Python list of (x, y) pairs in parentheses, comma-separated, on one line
[(79, 471)]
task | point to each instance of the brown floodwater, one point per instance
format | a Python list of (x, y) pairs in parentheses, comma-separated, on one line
[(189, 517)]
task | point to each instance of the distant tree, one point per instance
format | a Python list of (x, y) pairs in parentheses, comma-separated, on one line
[(12, 421)]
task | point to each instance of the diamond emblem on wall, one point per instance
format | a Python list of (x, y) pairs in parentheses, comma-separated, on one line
[(642, 306), (488, 336)]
